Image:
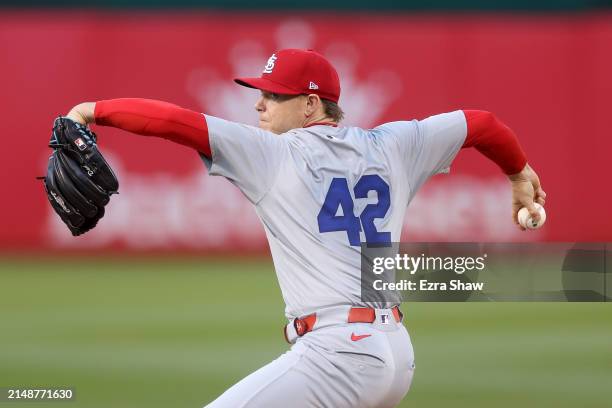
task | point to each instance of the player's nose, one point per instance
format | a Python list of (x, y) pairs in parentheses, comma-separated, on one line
[(260, 104)]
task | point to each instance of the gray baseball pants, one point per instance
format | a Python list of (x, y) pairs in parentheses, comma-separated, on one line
[(350, 365)]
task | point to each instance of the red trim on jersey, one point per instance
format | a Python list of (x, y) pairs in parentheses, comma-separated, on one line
[(495, 140), (322, 123), (155, 118)]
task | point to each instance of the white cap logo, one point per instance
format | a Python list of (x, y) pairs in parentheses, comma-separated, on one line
[(270, 65), (312, 85)]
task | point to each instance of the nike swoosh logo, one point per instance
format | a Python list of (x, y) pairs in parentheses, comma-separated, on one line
[(360, 337)]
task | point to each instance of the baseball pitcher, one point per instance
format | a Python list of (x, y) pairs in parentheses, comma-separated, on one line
[(321, 190)]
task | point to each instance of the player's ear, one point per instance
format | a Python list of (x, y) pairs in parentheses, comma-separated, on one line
[(313, 102)]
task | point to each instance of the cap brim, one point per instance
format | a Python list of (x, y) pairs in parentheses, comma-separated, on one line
[(266, 85)]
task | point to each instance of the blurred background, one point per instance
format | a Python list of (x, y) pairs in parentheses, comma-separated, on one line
[(173, 298)]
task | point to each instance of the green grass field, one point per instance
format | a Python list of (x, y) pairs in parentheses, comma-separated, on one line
[(177, 333)]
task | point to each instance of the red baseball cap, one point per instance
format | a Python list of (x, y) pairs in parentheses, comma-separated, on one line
[(295, 72)]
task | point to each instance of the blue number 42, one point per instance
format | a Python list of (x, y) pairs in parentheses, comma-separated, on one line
[(339, 196)]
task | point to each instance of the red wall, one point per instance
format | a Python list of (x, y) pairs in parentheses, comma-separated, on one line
[(548, 77)]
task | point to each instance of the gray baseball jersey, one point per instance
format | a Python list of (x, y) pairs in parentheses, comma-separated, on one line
[(321, 191)]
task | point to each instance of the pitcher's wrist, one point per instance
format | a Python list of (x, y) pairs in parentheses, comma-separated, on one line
[(82, 113)]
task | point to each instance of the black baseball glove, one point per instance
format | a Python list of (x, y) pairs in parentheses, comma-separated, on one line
[(79, 182)]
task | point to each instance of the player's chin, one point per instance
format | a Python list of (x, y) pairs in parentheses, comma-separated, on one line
[(265, 125)]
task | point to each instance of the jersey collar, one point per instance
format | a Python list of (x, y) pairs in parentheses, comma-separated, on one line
[(322, 123)]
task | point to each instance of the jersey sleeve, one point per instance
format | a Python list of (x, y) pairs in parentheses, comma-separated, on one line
[(426, 147), (247, 156)]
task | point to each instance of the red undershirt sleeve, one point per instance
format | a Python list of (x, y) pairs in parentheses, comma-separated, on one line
[(495, 140), (155, 118)]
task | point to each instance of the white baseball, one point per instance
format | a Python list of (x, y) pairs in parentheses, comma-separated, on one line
[(527, 222)]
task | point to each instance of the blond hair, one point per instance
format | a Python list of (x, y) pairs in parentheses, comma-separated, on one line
[(332, 110)]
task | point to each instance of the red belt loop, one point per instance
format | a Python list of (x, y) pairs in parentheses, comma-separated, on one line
[(397, 313), (361, 315), (305, 324)]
